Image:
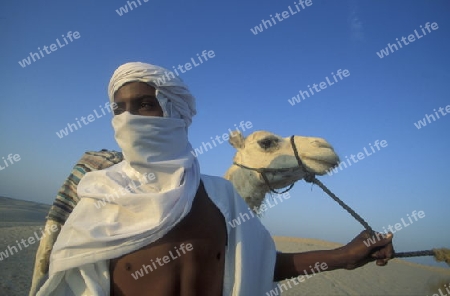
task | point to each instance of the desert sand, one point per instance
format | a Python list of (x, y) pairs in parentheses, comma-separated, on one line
[(399, 277), (22, 220)]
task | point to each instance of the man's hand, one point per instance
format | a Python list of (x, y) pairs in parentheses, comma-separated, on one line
[(365, 248), (360, 251)]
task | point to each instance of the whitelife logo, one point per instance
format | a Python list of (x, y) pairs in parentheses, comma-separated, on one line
[(35, 56), (411, 38), (165, 259)]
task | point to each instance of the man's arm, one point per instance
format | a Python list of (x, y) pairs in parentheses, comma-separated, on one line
[(353, 255)]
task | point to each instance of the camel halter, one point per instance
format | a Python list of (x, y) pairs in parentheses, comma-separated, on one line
[(263, 171), (439, 254)]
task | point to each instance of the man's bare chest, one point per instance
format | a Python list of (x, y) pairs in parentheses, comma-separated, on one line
[(191, 254)]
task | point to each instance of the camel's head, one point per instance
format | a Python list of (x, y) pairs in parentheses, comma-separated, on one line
[(263, 149)]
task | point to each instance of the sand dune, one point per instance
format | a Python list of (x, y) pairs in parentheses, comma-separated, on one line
[(19, 219), (16, 270), (397, 278)]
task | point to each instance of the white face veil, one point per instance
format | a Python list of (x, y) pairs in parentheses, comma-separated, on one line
[(148, 141), (137, 201)]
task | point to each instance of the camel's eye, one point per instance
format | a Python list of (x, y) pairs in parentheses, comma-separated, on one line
[(268, 143)]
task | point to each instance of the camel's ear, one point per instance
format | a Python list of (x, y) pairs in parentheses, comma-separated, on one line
[(236, 140)]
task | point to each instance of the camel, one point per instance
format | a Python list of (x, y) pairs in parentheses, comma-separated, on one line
[(263, 163), (275, 156)]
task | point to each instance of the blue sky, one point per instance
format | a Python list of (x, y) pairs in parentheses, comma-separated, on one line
[(251, 78)]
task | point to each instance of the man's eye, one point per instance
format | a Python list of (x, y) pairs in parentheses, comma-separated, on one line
[(147, 105), (118, 111)]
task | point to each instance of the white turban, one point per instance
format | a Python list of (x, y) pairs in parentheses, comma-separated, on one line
[(171, 91)]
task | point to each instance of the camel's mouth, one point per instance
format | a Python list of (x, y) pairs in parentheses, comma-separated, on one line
[(327, 162), (319, 164), (282, 177)]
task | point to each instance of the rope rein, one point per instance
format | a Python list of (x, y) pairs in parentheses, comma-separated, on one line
[(366, 225), (311, 178)]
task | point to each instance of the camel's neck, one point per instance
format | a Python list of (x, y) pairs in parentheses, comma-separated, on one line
[(247, 184)]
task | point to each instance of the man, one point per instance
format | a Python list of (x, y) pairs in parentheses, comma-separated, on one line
[(167, 235)]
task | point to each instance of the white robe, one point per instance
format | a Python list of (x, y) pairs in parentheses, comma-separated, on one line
[(249, 258)]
